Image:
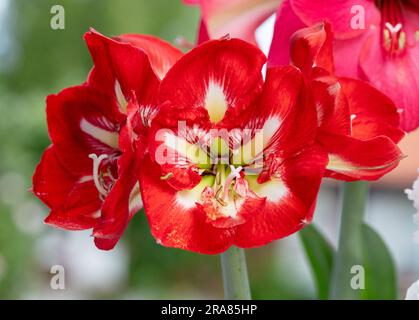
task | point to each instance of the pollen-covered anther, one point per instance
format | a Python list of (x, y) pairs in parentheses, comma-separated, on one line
[(167, 176), (394, 39)]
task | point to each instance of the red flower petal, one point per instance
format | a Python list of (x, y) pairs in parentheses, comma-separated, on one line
[(354, 159), (162, 54), (174, 218), (120, 205), (312, 47), (82, 121), (174, 143), (121, 68), (222, 76), (332, 106), (373, 113), (74, 200), (290, 200), (285, 111)]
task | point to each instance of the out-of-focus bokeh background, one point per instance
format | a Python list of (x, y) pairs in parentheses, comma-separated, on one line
[(36, 61)]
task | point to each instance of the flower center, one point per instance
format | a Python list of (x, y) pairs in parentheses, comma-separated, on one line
[(224, 192), (225, 177), (102, 175), (394, 39)]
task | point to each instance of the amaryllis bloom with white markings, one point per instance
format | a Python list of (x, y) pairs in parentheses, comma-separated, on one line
[(88, 175), (375, 40), (232, 158), (358, 125)]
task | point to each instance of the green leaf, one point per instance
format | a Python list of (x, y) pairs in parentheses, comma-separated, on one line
[(380, 271), (320, 255)]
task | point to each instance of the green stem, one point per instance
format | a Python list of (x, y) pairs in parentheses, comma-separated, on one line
[(235, 279), (350, 240)]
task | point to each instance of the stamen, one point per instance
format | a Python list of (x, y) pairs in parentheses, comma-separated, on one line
[(166, 176), (96, 164), (402, 40), (394, 39), (235, 173)]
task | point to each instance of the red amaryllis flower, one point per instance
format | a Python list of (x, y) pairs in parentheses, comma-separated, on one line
[(232, 159), (358, 125), (375, 40), (87, 177)]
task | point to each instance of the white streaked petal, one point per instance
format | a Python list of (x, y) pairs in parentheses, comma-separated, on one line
[(262, 139), (85, 179), (192, 153), (274, 190), (122, 102), (338, 164), (109, 138), (135, 201), (187, 199), (269, 129), (215, 101)]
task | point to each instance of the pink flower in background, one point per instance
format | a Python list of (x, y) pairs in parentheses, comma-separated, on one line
[(239, 18), (382, 48)]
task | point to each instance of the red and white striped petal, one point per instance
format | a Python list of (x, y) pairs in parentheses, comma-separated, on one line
[(82, 121), (74, 200), (222, 76), (290, 200), (178, 143), (354, 159), (284, 112), (174, 217), (120, 204)]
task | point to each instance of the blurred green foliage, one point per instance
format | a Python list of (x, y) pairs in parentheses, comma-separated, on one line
[(43, 61)]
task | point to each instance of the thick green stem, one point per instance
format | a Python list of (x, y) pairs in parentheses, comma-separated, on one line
[(236, 281), (349, 252)]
